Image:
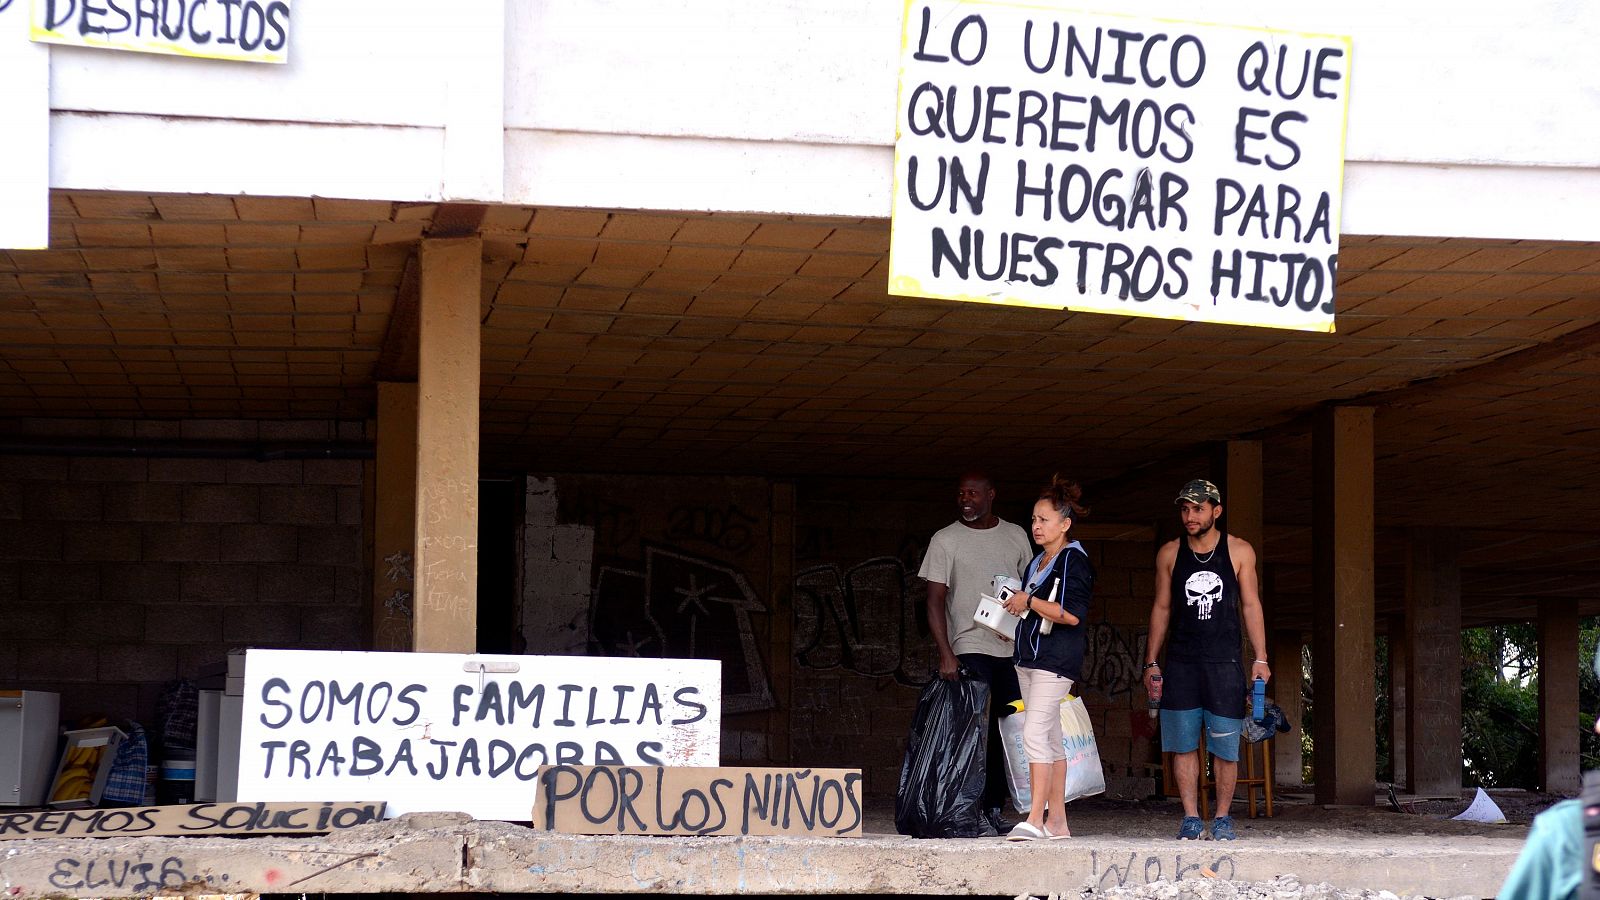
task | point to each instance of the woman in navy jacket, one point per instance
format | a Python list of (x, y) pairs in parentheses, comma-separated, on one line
[(1049, 652)]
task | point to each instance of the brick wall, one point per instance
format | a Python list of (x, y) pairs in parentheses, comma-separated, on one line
[(118, 575)]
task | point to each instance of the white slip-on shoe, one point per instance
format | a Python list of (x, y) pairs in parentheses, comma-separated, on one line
[(1025, 831)]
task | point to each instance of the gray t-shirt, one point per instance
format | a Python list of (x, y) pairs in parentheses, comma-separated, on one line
[(966, 560)]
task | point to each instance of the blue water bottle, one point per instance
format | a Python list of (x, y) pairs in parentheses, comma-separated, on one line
[(1258, 700)]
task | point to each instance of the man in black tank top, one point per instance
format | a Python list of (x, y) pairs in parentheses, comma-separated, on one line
[(1205, 587)]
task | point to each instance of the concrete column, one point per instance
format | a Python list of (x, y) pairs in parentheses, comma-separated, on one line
[(1342, 653), (1242, 502), (1287, 754), (448, 377), (394, 520), (1558, 697), (1399, 659), (1433, 674)]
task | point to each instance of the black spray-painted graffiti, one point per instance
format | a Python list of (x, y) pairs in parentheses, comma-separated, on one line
[(614, 525), (1112, 661), (682, 605), (869, 619), (727, 528), (136, 875)]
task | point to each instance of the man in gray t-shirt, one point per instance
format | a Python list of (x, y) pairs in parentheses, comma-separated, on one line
[(963, 559)]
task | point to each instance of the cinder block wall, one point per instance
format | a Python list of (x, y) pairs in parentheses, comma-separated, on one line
[(118, 575), (863, 650)]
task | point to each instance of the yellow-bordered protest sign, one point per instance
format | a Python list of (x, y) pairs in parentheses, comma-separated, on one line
[(1092, 161), (239, 30)]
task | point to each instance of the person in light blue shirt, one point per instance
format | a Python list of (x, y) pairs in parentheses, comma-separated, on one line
[(1552, 864)]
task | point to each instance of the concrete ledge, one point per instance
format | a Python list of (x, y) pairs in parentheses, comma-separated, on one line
[(436, 854)]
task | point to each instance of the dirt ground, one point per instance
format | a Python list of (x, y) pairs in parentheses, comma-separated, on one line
[(1295, 815)]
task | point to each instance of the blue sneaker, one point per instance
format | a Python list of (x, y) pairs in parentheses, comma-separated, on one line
[(1190, 829), (1222, 829)]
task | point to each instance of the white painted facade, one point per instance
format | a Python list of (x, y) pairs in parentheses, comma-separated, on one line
[(1466, 118)]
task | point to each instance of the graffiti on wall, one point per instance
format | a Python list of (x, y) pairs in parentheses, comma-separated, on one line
[(725, 528), (869, 619), (1113, 658), (682, 605)]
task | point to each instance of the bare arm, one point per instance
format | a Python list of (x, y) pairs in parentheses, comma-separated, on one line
[(1244, 561), (949, 666), (1161, 609)]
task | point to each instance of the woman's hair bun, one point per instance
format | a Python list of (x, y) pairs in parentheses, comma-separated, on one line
[(1065, 495)]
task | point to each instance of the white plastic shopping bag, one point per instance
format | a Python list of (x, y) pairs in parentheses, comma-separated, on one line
[(1085, 776)]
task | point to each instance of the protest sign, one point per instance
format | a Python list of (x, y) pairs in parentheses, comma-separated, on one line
[(238, 30), (442, 731), (697, 801), (195, 819), (25, 122), (1109, 163)]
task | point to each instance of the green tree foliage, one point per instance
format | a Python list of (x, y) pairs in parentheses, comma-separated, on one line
[(1499, 705), (1588, 694)]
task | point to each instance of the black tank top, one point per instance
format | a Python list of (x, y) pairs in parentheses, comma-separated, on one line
[(1205, 606)]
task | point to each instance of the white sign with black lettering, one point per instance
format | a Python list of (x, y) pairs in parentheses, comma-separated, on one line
[(24, 133), (238, 30), (1110, 163), (444, 731)]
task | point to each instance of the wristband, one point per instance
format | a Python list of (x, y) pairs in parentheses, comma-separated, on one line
[(1151, 665), (1262, 662)]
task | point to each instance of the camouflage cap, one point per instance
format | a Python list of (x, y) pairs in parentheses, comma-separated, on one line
[(1199, 491)]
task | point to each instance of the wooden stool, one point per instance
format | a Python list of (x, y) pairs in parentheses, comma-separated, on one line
[(1249, 779)]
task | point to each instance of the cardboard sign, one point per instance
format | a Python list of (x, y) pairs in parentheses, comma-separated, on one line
[(25, 122), (1109, 163), (445, 731), (196, 819), (239, 30), (698, 801)]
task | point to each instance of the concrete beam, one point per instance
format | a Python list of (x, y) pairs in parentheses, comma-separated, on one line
[(1342, 655), (1433, 675), (1558, 697), (453, 855), (449, 372)]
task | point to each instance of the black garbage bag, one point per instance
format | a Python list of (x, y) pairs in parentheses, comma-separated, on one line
[(941, 781)]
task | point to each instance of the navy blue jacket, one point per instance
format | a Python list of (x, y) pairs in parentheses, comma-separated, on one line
[(1060, 651)]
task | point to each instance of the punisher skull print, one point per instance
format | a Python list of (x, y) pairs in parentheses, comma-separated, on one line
[(1204, 589)]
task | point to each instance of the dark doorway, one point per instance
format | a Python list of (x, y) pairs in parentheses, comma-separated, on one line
[(499, 510)]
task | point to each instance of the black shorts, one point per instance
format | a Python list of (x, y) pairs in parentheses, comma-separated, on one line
[(1217, 688)]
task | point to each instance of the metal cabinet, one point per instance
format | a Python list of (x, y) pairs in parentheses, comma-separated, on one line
[(29, 728)]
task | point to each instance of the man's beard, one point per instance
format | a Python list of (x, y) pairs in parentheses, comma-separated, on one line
[(1204, 529), (972, 517)]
